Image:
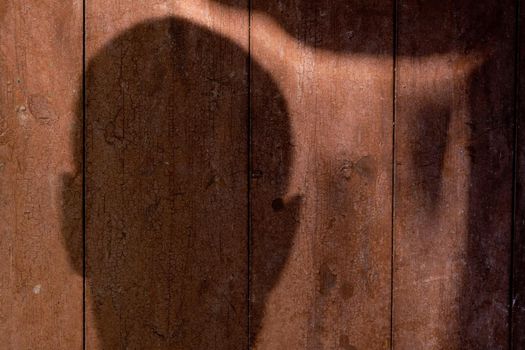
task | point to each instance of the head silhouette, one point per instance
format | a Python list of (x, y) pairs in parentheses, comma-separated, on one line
[(168, 190)]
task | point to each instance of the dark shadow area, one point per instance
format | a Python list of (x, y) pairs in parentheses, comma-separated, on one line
[(484, 299), (167, 190), (356, 25), (167, 186), (485, 29), (431, 141)]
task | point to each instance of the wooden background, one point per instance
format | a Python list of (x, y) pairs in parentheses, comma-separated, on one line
[(224, 174)]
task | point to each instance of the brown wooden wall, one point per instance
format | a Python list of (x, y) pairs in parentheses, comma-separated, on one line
[(266, 174)]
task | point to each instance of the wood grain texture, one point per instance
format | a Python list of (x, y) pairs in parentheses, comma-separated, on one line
[(453, 203), (40, 66), (167, 189), (167, 182), (40, 62), (334, 209), (518, 292), (329, 25), (241, 199)]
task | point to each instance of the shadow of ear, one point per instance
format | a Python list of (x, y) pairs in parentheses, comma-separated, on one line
[(71, 230), (274, 231)]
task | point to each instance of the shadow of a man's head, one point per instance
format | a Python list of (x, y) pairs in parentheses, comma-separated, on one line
[(167, 154)]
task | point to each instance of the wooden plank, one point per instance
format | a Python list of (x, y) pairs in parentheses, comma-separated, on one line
[(518, 292), (453, 202), (167, 182), (40, 203), (321, 199)]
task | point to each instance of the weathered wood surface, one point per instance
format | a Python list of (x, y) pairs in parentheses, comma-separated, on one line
[(335, 290), (453, 201), (40, 70), (518, 264), (166, 182), (239, 175)]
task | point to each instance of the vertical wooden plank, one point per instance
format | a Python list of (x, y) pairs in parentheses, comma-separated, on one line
[(40, 68), (167, 181), (454, 132), (518, 292), (321, 251)]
